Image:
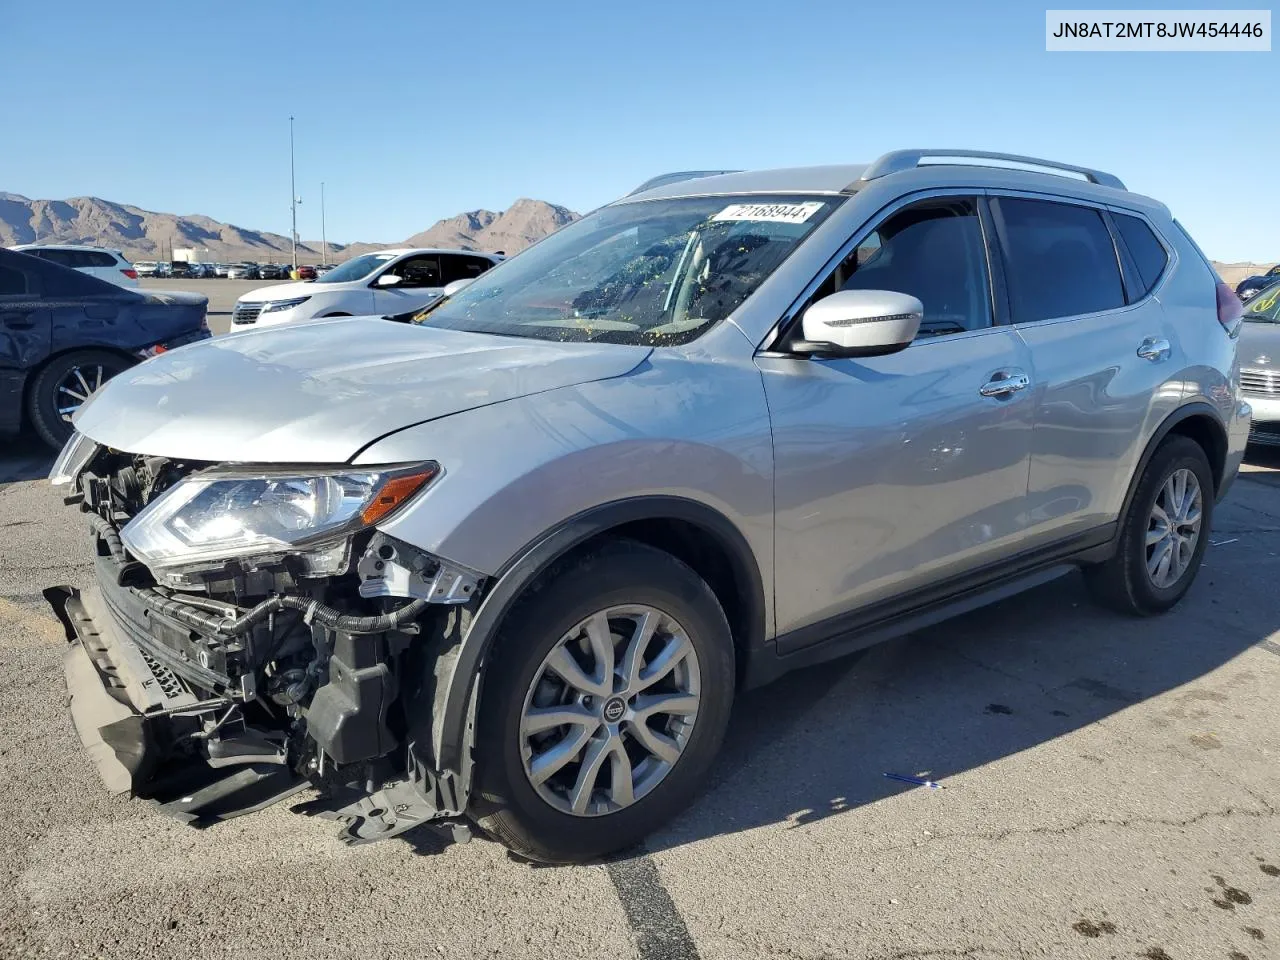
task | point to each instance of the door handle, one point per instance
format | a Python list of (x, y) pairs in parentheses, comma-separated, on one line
[(1004, 386), (1154, 349)]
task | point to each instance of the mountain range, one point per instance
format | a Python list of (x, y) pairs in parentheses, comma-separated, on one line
[(148, 235)]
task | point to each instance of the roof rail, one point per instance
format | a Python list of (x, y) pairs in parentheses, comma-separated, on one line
[(899, 160), (666, 178)]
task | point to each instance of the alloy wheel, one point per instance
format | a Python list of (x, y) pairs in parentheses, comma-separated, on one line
[(77, 386), (610, 710), (1173, 528)]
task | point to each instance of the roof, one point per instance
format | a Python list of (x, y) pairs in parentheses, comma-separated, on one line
[(398, 251), (917, 167), (65, 246), (828, 179)]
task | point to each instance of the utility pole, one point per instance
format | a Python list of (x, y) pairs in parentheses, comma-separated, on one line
[(324, 242), (293, 196)]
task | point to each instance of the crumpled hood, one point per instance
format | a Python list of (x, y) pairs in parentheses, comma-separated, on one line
[(318, 392)]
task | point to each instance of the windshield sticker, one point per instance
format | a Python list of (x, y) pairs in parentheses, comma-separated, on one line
[(769, 212)]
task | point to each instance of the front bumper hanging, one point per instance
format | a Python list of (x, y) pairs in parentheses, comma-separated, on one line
[(128, 709)]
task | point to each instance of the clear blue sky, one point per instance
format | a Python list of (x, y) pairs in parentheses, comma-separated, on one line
[(415, 111)]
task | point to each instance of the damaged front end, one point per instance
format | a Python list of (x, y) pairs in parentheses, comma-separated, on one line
[(252, 633)]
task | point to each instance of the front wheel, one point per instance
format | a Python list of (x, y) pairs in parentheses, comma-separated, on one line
[(63, 386), (1164, 534), (607, 697)]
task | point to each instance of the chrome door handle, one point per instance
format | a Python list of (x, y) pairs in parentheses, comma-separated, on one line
[(1005, 386), (1154, 349)]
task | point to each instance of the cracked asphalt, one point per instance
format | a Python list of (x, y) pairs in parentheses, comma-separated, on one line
[(1111, 789)]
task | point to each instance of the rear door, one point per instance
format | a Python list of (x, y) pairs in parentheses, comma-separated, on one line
[(1105, 360)]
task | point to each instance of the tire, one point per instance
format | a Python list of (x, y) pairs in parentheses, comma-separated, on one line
[(47, 398), (619, 576), (1124, 582)]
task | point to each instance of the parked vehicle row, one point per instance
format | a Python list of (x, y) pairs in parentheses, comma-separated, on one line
[(1260, 363), (110, 265), (384, 283), (64, 333), (511, 561)]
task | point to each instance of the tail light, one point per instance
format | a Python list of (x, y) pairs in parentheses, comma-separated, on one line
[(131, 273), (1230, 309)]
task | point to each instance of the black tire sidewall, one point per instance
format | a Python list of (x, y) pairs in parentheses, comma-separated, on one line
[(1177, 454), (621, 573), (42, 406)]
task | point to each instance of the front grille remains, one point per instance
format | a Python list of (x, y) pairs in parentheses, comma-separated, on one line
[(1265, 382), (246, 312)]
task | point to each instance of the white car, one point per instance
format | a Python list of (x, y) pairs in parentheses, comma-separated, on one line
[(109, 265), (384, 283)]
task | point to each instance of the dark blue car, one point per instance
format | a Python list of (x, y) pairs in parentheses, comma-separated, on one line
[(63, 334)]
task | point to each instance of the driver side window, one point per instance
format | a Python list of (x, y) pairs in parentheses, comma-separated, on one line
[(418, 272), (933, 251)]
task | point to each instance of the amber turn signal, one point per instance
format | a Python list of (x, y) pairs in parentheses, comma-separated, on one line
[(395, 492)]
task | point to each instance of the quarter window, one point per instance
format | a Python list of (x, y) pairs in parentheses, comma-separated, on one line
[(933, 251), (1147, 253), (1059, 260), (13, 283)]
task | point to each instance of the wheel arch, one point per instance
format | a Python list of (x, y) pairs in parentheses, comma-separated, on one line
[(693, 532), (1199, 421)]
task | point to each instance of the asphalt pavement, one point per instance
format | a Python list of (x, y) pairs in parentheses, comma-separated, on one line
[(1110, 791)]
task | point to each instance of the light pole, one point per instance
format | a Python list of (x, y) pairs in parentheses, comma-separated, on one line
[(293, 197), (324, 243)]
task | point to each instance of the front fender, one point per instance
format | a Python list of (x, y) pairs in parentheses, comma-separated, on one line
[(528, 479), (513, 471)]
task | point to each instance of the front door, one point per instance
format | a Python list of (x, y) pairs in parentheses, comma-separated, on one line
[(894, 473)]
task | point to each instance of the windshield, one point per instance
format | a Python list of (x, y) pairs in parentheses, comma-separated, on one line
[(356, 269), (657, 272), (1265, 306)]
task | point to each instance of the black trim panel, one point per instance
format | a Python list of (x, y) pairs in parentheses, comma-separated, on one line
[(903, 614)]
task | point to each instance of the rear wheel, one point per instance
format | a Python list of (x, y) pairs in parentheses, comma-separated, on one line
[(607, 698), (1164, 534), (63, 385)]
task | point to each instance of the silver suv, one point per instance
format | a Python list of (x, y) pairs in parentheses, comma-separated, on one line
[(508, 564)]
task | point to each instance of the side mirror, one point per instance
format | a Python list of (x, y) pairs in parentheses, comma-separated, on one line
[(388, 280), (461, 284), (860, 323)]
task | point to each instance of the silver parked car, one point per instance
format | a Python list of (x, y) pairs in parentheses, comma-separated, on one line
[(508, 563), (1260, 364)]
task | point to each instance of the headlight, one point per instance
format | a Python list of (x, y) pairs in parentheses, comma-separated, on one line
[(77, 451), (273, 305), (222, 515)]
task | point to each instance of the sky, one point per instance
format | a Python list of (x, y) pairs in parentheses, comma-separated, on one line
[(410, 112)]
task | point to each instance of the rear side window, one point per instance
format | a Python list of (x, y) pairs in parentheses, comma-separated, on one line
[(457, 267), (1059, 260), (1148, 255), (97, 258), (63, 258), (13, 283)]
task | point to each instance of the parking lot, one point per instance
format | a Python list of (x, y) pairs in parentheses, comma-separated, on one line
[(222, 295), (1110, 791)]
